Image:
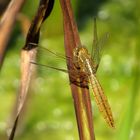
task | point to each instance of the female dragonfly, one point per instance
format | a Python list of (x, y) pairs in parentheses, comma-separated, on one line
[(85, 63)]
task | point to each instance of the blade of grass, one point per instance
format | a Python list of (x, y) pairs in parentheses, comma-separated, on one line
[(81, 96), (28, 54), (127, 125)]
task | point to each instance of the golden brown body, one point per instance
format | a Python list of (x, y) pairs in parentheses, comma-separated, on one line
[(83, 61)]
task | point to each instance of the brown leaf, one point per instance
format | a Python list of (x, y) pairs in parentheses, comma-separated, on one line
[(28, 55)]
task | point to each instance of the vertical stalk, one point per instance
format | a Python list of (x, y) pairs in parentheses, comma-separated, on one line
[(7, 23), (80, 95)]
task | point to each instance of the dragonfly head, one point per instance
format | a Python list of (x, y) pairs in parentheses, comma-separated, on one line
[(79, 51), (83, 51)]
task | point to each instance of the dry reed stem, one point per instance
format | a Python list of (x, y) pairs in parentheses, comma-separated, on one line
[(81, 96), (6, 25)]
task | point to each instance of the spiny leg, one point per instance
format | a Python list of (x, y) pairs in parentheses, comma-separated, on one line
[(79, 78)]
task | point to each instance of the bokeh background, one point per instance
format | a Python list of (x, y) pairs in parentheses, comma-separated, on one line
[(49, 112)]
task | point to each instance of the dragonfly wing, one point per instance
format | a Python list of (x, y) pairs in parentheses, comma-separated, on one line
[(96, 56), (95, 47), (101, 100)]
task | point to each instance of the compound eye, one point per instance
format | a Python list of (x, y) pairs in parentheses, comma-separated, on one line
[(77, 52)]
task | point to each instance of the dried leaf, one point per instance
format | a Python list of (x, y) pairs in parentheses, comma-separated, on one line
[(6, 25), (28, 54)]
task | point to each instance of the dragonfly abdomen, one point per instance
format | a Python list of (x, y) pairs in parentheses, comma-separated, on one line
[(101, 100)]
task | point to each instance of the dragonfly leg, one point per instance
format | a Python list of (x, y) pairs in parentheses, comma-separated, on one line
[(79, 79)]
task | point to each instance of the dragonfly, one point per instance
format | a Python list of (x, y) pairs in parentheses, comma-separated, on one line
[(88, 64)]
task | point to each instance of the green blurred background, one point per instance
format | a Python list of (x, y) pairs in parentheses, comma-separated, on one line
[(49, 112)]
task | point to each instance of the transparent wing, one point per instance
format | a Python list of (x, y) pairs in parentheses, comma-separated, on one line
[(54, 61), (49, 59), (97, 46), (98, 49), (95, 40), (54, 53)]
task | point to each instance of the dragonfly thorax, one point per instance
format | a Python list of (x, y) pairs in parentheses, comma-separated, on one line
[(82, 60)]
